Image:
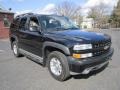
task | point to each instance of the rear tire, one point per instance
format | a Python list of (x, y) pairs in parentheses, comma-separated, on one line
[(58, 66), (16, 49)]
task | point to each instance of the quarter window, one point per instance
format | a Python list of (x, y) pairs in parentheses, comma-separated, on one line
[(23, 23), (15, 23)]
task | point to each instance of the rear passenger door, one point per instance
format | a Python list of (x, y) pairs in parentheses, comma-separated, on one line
[(35, 37), (22, 33)]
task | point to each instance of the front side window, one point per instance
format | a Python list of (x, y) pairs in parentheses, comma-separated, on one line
[(57, 23)]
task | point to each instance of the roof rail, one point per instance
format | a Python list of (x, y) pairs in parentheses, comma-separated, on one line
[(25, 14)]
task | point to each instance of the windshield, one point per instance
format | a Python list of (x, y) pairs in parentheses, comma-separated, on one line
[(51, 23)]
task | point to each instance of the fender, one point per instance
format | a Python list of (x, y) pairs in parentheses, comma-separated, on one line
[(56, 45)]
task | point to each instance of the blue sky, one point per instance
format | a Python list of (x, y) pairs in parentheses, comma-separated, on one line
[(22, 6), (19, 5)]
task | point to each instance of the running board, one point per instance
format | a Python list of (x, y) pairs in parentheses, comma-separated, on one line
[(31, 55)]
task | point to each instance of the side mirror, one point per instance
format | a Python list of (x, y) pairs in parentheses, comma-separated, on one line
[(34, 28)]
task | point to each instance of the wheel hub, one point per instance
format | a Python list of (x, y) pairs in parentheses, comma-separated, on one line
[(15, 49), (55, 66)]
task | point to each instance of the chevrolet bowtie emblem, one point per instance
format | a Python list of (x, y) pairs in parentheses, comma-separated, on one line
[(106, 47)]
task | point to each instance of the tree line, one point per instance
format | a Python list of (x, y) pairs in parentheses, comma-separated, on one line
[(101, 14), (115, 16)]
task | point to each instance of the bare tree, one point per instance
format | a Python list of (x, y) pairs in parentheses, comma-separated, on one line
[(99, 14), (70, 10)]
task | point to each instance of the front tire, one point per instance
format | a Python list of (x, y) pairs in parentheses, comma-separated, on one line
[(16, 49), (58, 66)]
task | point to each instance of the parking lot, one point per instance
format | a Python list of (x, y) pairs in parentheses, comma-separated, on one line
[(24, 74)]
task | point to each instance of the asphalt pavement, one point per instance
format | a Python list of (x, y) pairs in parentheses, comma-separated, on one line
[(24, 74)]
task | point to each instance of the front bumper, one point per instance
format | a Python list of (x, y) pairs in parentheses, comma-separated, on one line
[(84, 66)]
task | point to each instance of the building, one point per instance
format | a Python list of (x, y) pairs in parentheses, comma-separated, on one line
[(87, 23), (6, 18)]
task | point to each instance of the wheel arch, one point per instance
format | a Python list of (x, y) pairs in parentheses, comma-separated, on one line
[(52, 46), (12, 39)]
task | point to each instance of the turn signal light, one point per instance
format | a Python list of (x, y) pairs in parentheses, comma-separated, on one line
[(82, 55), (76, 55)]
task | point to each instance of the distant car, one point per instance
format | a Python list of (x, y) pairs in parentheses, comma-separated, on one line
[(55, 42)]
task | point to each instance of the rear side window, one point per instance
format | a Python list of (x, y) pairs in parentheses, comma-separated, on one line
[(23, 23), (15, 23)]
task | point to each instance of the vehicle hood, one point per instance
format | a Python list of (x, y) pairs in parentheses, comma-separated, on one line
[(80, 35)]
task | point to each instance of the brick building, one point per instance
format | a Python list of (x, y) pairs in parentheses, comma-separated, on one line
[(6, 18)]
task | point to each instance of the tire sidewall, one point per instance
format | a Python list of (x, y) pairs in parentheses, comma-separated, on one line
[(15, 43), (62, 76)]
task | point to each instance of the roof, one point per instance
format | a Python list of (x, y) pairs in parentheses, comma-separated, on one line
[(31, 14)]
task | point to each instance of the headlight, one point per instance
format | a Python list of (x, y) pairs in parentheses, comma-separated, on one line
[(82, 47)]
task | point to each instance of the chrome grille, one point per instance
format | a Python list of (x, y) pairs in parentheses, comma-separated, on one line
[(101, 47), (101, 44)]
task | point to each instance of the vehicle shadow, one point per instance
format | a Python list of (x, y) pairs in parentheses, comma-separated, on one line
[(79, 76), (92, 73)]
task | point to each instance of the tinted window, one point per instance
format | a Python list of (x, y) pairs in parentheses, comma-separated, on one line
[(23, 23), (15, 23), (52, 23)]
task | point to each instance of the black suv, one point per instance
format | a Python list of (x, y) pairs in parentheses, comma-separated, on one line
[(56, 42)]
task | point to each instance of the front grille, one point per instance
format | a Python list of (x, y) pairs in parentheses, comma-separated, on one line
[(101, 47), (100, 52), (101, 44)]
